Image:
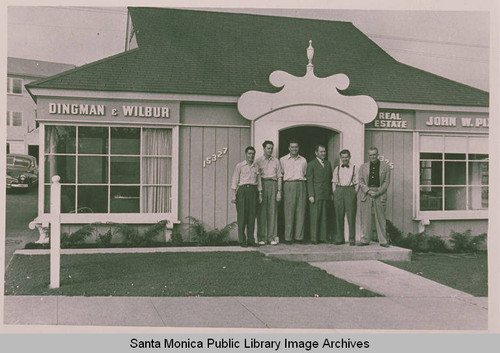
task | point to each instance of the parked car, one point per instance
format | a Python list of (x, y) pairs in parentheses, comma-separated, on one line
[(22, 171)]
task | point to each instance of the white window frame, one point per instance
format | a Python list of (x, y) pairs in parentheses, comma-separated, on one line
[(10, 86), (130, 218), (10, 119), (443, 214)]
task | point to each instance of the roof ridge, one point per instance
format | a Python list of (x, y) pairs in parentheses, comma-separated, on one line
[(442, 77), (80, 68), (208, 10)]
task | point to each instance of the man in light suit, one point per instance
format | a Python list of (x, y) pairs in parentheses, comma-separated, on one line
[(374, 179), (319, 188)]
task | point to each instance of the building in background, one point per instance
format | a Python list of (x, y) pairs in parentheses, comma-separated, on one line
[(155, 132), (22, 131)]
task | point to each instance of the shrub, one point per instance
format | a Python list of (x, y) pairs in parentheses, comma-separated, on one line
[(437, 244), (152, 232), (465, 242), (394, 235), (176, 239), (213, 237), (417, 242), (104, 239), (130, 234), (78, 237)]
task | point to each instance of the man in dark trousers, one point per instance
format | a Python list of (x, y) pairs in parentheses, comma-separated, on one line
[(247, 191), (345, 184), (374, 179), (319, 188)]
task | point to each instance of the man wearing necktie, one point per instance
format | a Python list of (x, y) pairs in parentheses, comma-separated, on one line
[(319, 187), (345, 186), (374, 179)]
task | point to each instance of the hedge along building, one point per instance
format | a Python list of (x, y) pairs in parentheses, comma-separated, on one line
[(155, 132)]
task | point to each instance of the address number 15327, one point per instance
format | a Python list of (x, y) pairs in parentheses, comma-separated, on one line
[(213, 158)]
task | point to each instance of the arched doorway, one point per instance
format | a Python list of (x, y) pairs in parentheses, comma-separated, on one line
[(308, 136)]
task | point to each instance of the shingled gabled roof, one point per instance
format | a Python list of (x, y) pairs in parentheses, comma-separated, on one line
[(213, 53)]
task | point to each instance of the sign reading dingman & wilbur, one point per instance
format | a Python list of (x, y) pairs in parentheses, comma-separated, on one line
[(100, 110)]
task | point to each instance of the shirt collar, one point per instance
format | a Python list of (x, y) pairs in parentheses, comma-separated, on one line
[(376, 162), (319, 160), (290, 156)]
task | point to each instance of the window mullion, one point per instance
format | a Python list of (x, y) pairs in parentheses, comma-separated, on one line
[(76, 171), (141, 192), (109, 169)]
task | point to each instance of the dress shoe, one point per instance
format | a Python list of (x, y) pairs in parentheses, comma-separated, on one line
[(338, 243), (262, 243), (352, 243), (362, 244), (385, 245), (274, 242), (314, 243)]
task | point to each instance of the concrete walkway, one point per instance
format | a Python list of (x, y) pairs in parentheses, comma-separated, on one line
[(250, 312), (388, 280)]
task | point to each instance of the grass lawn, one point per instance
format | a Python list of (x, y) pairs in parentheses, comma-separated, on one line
[(176, 274), (465, 272)]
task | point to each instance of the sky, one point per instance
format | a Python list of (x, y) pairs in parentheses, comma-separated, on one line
[(453, 44)]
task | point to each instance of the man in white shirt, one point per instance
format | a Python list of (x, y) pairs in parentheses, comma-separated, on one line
[(345, 185), (247, 193), (294, 169), (272, 178)]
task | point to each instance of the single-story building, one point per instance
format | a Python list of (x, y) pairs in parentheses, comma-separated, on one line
[(155, 132)]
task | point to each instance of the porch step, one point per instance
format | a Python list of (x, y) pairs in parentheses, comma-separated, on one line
[(330, 252)]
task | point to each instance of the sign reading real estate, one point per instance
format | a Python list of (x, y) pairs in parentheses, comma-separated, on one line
[(393, 120)]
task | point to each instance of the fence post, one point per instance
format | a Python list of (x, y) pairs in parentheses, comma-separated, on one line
[(55, 232)]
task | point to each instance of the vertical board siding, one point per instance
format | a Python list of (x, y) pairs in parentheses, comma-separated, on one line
[(409, 226), (221, 177), (184, 179), (205, 193), (196, 173), (387, 150), (401, 197), (234, 157), (208, 181), (397, 147)]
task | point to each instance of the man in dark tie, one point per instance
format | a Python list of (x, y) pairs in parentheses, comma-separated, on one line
[(345, 185), (319, 187), (374, 179)]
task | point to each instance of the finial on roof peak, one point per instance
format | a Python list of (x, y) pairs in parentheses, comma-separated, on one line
[(310, 54)]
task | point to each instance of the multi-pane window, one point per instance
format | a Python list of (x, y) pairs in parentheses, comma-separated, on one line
[(14, 119), (14, 85), (453, 173), (110, 169)]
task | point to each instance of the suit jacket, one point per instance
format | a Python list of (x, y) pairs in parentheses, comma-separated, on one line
[(364, 174), (319, 179)]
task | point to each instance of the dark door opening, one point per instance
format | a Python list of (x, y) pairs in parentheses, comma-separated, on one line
[(308, 137), (33, 150)]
